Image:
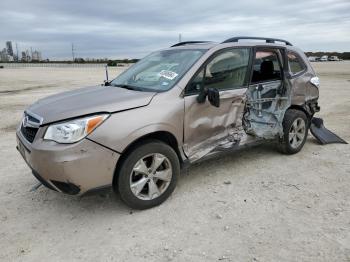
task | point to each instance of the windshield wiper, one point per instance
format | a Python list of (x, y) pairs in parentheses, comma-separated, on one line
[(129, 87)]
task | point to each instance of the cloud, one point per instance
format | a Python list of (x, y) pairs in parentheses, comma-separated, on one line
[(133, 28)]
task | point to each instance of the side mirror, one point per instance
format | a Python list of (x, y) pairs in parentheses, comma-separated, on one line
[(106, 83), (214, 97), (202, 95)]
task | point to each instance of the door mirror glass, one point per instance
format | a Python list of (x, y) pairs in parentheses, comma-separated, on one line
[(214, 97), (202, 95)]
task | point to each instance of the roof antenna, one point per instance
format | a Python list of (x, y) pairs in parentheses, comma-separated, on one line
[(107, 83)]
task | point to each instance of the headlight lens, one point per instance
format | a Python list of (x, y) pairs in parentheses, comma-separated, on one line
[(74, 130)]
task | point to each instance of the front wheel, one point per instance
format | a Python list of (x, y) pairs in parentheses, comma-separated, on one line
[(295, 130), (148, 175)]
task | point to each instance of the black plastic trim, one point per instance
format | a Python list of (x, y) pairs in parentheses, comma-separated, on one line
[(96, 190), (268, 40), (66, 187), (191, 42), (43, 181)]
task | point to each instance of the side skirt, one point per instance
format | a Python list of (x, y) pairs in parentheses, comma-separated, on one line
[(223, 151)]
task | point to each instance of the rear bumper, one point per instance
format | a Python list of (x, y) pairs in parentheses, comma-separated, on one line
[(71, 168)]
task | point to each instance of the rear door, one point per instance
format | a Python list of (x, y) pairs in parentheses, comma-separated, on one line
[(205, 126), (268, 94)]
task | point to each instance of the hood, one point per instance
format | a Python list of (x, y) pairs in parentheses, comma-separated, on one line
[(89, 100)]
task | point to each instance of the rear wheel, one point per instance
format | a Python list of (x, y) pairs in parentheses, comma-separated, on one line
[(295, 129), (148, 175)]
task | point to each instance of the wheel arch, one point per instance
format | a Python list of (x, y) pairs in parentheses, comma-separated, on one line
[(302, 108), (163, 136)]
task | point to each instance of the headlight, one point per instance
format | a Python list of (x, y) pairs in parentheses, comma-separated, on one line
[(74, 130)]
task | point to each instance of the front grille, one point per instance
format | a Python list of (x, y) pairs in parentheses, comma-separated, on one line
[(29, 132), (30, 125)]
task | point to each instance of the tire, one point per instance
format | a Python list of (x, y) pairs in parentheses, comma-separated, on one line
[(293, 121), (142, 183)]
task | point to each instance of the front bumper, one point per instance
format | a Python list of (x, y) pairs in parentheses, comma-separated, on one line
[(68, 168)]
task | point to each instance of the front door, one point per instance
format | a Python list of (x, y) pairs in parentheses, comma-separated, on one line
[(206, 126)]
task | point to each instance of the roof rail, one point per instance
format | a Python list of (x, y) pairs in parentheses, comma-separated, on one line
[(190, 42), (268, 40)]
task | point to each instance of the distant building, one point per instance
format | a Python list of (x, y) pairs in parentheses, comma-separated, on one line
[(3, 55), (23, 56), (7, 54), (9, 48), (28, 57), (36, 56)]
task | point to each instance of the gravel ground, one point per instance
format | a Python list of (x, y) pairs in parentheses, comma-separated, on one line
[(254, 205)]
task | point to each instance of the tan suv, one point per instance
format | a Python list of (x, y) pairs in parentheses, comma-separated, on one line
[(176, 106)]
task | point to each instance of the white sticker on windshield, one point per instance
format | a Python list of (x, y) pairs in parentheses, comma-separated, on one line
[(168, 74)]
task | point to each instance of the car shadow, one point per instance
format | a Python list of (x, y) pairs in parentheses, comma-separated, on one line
[(107, 202), (231, 160)]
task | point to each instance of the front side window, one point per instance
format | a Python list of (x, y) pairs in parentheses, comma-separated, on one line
[(295, 65), (266, 67), (226, 70), (159, 71)]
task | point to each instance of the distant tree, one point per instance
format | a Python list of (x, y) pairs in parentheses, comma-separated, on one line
[(345, 55), (79, 60), (121, 61)]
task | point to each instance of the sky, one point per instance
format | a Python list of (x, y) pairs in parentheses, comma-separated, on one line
[(134, 28)]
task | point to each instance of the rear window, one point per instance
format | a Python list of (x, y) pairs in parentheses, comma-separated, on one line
[(296, 66)]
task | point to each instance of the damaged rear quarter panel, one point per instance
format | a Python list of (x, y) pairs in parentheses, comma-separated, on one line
[(303, 91)]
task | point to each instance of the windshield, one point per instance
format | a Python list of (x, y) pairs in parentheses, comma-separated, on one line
[(158, 71)]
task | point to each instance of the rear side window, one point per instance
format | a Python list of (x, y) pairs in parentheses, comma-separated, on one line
[(296, 66), (266, 67), (227, 70)]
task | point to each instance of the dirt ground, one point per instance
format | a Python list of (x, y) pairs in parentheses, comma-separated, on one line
[(254, 205)]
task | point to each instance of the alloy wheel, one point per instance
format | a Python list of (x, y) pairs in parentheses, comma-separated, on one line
[(297, 133), (150, 176)]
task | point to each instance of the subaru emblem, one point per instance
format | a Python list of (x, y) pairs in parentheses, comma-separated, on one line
[(25, 121)]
